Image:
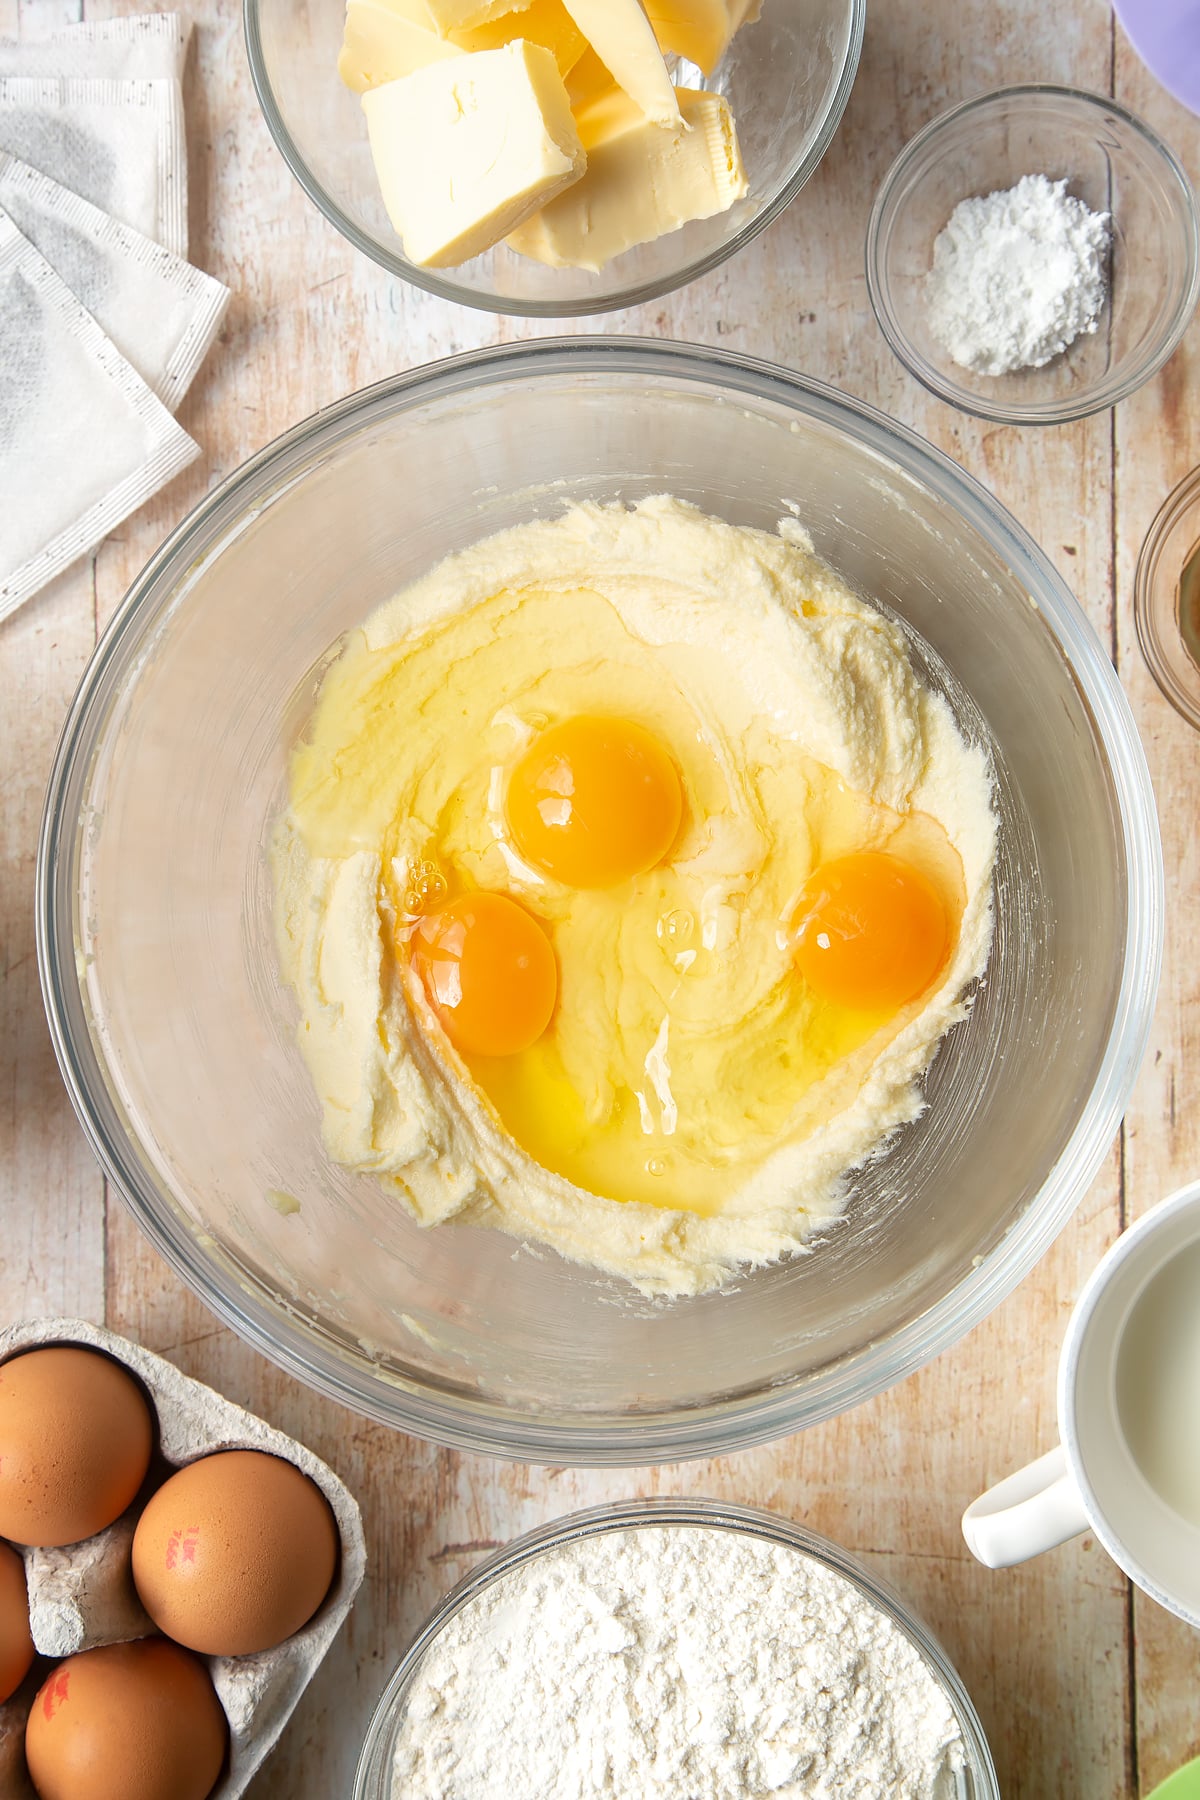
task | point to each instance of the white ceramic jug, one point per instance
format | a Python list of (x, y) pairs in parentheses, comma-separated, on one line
[(1128, 1466)]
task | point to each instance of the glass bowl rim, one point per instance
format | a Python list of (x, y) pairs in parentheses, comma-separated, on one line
[(637, 293), (1183, 496), (466, 1421), (686, 1512), (1105, 394)]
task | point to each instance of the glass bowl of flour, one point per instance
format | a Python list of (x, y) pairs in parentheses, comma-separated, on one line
[(674, 1650), (1033, 255)]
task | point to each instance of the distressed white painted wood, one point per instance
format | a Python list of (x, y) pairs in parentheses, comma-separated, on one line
[(1086, 1693)]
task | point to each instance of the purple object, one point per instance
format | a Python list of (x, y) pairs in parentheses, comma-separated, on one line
[(1166, 35)]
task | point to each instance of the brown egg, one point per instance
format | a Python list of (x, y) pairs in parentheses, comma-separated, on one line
[(16, 1645), (127, 1722), (234, 1553), (75, 1440)]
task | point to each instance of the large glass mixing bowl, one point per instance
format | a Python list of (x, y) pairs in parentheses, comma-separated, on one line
[(176, 1035), (787, 78)]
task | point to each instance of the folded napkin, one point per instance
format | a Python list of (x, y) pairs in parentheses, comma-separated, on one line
[(103, 324), (83, 441), (161, 314), (149, 47), (120, 144)]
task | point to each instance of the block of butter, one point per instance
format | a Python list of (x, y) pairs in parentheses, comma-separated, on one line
[(587, 80), (445, 16), (466, 149), (699, 29), (379, 44), (642, 180), (382, 44), (620, 34), (545, 22)]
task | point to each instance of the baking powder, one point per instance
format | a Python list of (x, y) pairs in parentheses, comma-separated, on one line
[(1017, 276), (675, 1663)]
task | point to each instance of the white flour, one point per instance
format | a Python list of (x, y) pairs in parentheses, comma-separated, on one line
[(675, 1663), (1017, 276)]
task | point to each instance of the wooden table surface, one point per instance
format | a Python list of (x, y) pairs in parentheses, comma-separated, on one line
[(1085, 1688)]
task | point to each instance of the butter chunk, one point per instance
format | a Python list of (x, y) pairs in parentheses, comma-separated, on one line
[(699, 29), (641, 181), (379, 44), (587, 80), (620, 34), (447, 16), (545, 22), (465, 150), (384, 40)]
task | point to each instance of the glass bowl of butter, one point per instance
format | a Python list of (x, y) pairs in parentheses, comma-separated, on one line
[(489, 154), (180, 1038)]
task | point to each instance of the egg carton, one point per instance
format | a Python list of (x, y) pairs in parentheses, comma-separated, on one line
[(83, 1595)]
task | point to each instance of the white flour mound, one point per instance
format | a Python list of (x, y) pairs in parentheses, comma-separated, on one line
[(1017, 277), (675, 1663)]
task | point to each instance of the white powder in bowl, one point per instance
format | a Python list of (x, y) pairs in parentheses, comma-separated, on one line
[(1017, 276), (675, 1663)]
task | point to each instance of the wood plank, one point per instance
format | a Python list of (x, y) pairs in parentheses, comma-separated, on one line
[(51, 1193), (1157, 443)]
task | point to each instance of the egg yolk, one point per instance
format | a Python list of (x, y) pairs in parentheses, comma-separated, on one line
[(870, 931), (594, 801), (489, 971)]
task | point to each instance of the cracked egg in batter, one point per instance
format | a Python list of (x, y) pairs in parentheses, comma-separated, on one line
[(628, 881)]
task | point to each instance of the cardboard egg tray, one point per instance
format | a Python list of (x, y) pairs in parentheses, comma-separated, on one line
[(83, 1595)]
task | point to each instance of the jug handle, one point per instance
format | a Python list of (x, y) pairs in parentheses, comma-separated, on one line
[(1035, 1509)]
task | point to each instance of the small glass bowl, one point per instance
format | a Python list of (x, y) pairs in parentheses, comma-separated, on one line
[(1112, 162), (977, 1780), (1169, 634), (787, 78)]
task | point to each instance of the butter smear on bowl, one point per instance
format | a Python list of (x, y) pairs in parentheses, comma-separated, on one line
[(555, 126)]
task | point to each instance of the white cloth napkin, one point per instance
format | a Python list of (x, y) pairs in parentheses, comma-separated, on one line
[(102, 323), (120, 144), (161, 314), (148, 47), (83, 440)]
